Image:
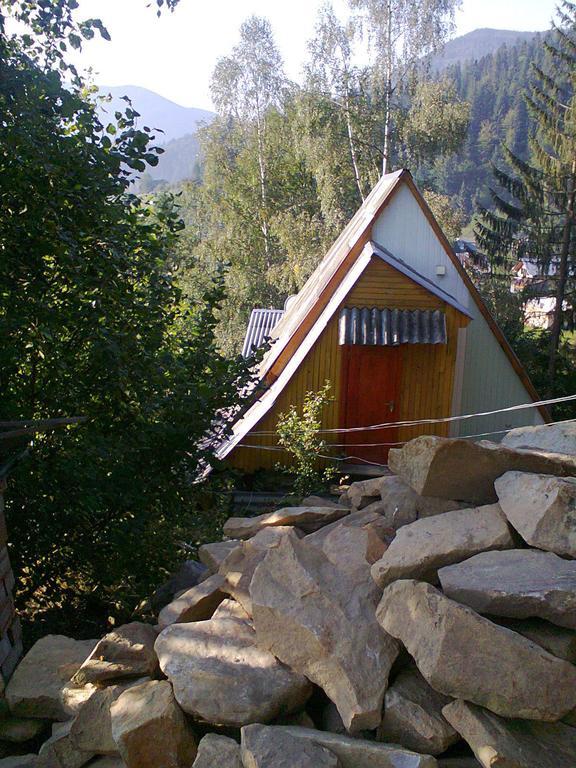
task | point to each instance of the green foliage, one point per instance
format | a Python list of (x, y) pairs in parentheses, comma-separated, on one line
[(94, 323), (298, 434)]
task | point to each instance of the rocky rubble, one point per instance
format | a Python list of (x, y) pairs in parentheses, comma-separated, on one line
[(426, 619)]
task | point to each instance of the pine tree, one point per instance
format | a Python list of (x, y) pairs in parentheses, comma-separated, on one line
[(535, 213)]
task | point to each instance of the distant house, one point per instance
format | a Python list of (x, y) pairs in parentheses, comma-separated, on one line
[(470, 256), (392, 320)]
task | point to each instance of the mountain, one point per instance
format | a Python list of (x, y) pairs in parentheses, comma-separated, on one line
[(477, 44), (156, 111)]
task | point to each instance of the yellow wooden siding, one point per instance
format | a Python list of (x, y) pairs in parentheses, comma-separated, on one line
[(427, 370)]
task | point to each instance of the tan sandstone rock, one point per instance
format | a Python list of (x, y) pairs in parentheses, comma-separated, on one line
[(424, 546), (216, 751), (319, 620), (230, 609), (413, 715), (452, 468), (542, 508), (463, 655), (551, 438), (268, 747), (17, 730), (221, 676), (512, 743), (559, 641), (60, 751), (40, 685), (518, 583), (305, 518), (196, 604), (150, 729), (125, 652), (213, 555), (358, 753), (355, 541), (239, 567)]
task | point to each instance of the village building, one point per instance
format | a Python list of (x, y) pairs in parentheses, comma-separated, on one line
[(392, 320)]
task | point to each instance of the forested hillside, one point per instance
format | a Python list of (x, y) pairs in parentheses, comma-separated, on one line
[(493, 86)]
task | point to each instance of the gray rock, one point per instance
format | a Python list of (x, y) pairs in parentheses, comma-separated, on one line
[(413, 716), (400, 505), (213, 555), (17, 730), (319, 620), (196, 604), (268, 747), (424, 546), (60, 751), (108, 761), (551, 438), (451, 468), (221, 676), (216, 751), (305, 518), (463, 655), (150, 729), (517, 584), (365, 492), (358, 753), (187, 576), (40, 686), (542, 508), (19, 761), (125, 652), (512, 743), (559, 641)]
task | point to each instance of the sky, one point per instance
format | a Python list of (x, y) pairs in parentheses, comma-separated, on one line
[(175, 54)]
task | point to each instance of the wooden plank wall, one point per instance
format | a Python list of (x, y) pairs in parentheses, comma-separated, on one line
[(427, 370)]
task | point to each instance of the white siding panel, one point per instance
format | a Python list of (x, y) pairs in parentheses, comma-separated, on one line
[(489, 379)]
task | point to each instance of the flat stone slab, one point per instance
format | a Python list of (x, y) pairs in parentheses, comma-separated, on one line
[(551, 438), (40, 686), (196, 604), (213, 555), (222, 677), (463, 655), (215, 751), (517, 583), (451, 468), (319, 620), (515, 743), (558, 641), (413, 715), (358, 753), (422, 547), (266, 747), (542, 508), (125, 652), (307, 518)]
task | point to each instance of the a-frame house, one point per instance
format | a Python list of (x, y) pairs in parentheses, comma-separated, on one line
[(393, 321)]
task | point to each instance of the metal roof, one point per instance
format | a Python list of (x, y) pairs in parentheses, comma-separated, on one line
[(260, 325), (391, 327)]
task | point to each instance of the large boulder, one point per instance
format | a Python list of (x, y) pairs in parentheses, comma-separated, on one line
[(424, 546), (357, 753), (196, 604), (267, 747), (463, 655), (187, 576), (220, 675), (559, 641), (319, 620), (150, 729), (542, 508), (452, 468), (230, 609), (515, 743), (413, 715), (40, 686), (306, 518), (517, 583), (215, 751), (125, 652), (213, 555), (239, 567), (551, 438)]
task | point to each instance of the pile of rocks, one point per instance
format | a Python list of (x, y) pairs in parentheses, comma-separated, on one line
[(425, 619)]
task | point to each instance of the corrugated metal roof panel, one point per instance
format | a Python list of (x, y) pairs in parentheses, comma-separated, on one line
[(390, 327), (260, 326)]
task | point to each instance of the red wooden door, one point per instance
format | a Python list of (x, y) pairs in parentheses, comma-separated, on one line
[(370, 394)]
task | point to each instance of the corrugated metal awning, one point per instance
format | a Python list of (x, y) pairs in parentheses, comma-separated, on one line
[(260, 325), (390, 327)]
